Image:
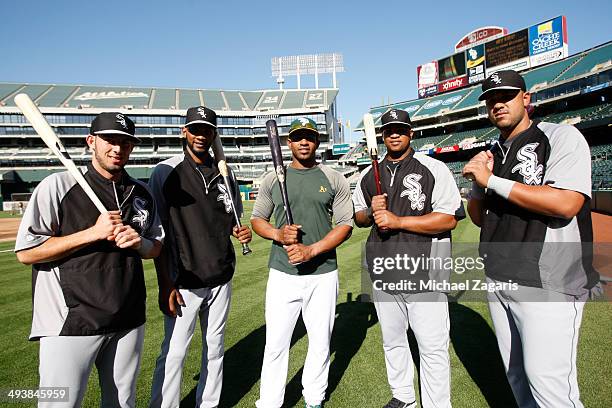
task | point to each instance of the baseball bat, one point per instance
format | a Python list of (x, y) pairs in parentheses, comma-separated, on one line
[(370, 134), (46, 133), (279, 168), (223, 170)]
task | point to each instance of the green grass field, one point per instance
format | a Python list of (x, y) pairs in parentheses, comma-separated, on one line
[(357, 375)]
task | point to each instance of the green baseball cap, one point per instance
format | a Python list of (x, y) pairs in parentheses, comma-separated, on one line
[(303, 124)]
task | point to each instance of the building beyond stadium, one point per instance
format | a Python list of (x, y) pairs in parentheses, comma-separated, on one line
[(158, 114)]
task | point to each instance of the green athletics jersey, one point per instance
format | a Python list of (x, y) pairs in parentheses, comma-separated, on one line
[(316, 195)]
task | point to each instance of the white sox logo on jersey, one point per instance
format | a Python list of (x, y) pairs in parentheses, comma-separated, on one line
[(224, 196), (414, 191), (142, 214), (528, 166)]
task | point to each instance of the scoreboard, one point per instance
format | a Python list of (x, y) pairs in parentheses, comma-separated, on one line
[(490, 49)]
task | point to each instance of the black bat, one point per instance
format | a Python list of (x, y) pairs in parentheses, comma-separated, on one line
[(279, 168)]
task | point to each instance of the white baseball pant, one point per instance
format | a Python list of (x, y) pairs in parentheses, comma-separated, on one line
[(67, 361), (427, 315), (286, 296), (538, 342), (212, 306)]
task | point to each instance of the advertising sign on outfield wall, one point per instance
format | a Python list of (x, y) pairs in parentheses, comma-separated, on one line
[(480, 36), (427, 74)]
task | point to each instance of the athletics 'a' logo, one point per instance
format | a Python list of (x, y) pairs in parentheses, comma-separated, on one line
[(414, 191), (225, 197), (142, 214), (528, 166)]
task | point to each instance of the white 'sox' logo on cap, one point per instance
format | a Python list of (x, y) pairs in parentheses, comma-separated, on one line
[(121, 120), (495, 78), (202, 112), (393, 114)]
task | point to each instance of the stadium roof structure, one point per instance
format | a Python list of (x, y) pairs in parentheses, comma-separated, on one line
[(93, 98), (582, 64)]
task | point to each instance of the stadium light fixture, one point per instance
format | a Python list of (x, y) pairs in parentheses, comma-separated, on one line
[(308, 64)]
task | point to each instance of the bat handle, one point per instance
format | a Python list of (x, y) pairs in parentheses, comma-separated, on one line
[(376, 177), (383, 230)]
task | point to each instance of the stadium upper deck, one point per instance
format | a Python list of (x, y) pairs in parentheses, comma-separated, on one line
[(158, 114), (454, 125)]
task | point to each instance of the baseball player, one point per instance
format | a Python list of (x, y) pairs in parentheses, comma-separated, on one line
[(303, 269), (535, 223), (88, 282), (415, 215), (197, 262)]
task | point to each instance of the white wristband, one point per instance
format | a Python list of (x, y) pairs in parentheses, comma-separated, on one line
[(500, 185), (146, 245), (477, 192)]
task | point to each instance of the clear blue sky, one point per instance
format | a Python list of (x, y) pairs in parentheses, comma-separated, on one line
[(228, 44)]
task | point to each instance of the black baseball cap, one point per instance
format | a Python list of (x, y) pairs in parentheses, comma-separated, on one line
[(201, 114), (500, 80), (113, 123), (395, 117)]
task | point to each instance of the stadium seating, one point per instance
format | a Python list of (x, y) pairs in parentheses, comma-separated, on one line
[(251, 98), (270, 100), (588, 62), (315, 97), (293, 100), (548, 73), (214, 99), (34, 91), (109, 97), (456, 138), (470, 100), (439, 103), (189, 98), (57, 95), (7, 89), (164, 99)]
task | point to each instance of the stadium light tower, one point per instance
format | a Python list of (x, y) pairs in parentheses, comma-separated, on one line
[(310, 64)]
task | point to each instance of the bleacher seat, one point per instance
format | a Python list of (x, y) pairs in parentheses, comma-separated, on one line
[(33, 91), (233, 99), (293, 100), (251, 98), (164, 99), (548, 73), (57, 95), (110, 97), (214, 100), (437, 104), (189, 98), (588, 62)]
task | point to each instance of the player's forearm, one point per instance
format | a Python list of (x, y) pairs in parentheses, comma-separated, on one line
[(163, 264), (56, 248), (264, 229), (546, 200), (150, 249), (475, 210), (432, 223), (333, 239), (363, 219)]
